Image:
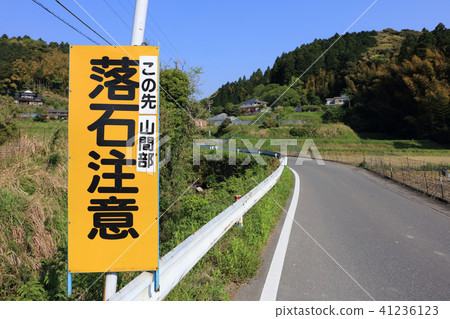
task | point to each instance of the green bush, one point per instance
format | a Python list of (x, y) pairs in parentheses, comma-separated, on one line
[(334, 114), (222, 127), (305, 130), (8, 131), (268, 123), (236, 257)]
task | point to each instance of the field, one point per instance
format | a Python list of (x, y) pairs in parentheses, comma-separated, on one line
[(420, 164), (28, 127), (334, 137)]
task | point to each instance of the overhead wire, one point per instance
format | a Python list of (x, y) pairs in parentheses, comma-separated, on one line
[(164, 35), (117, 15), (173, 51), (162, 49), (62, 20), (82, 21)]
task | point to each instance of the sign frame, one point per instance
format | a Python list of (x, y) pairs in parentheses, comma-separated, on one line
[(99, 254)]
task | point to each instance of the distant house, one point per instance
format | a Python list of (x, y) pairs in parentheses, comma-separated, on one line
[(253, 105), (339, 100), (26, 115), (59, 114), (28, 97), (218, 119), (200, 122)]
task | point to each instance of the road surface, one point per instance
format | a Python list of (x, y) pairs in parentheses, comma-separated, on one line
[(355, 236)]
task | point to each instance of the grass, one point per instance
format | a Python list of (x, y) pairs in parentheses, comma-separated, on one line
[(33, 216), (247, 117), (310, 117), (33, 209), (236, 257), (336, 138), (30, 128)]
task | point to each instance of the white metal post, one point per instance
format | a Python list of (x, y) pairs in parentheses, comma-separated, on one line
[(137, 38), (110, 285), (140, 16)]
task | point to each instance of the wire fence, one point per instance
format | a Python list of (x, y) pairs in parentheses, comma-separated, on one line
[(8, 151), (428, 178)]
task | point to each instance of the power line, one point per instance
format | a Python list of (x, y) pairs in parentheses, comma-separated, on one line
[(162, 49), (117, 15), (172, 51), (46, 9), (125, 8), (164, 35), (127, 25), (82, 22)]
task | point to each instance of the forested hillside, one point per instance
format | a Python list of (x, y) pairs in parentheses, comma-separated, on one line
[(398, 81), (26, 63)]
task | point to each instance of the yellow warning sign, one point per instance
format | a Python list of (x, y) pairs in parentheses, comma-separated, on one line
[(113, 158)]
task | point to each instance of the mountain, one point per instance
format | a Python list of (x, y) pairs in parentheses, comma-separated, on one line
[(398, 81), (26, 63)]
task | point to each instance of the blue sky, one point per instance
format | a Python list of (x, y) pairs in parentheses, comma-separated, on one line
[(228, 39)]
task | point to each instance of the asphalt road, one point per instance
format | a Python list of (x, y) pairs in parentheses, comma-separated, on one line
[(356, 236)]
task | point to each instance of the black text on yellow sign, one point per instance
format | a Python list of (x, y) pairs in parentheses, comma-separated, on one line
[(113, 158)]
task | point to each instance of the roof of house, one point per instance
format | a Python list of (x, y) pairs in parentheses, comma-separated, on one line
[(254, 101), (58, 112), (222, 117), (338, 97), (28, 96)]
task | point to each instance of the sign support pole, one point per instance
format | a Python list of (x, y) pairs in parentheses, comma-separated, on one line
[(137, 38), (140, 16), (69, 284)]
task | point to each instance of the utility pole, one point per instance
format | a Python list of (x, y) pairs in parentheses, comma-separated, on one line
[(140, 16), (137, 38), (209, 119), (209, 107)]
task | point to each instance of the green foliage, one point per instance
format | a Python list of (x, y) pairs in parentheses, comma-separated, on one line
[(269, 123), (304, 131), (334, 114), (8, 111), (8, 131), (55, 101), (222, 127), (406, 97), (32, 291), (41, 115), (231, 109), (26, 63), (289, 66), (237, 256), (397, 81), (285, 113)]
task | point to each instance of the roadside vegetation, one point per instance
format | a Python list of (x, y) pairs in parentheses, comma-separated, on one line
[(411, 121), (332, 138), (33, 199), (236, 258)]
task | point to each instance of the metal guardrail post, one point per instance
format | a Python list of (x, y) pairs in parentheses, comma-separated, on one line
[(240, 222), (110, 285)]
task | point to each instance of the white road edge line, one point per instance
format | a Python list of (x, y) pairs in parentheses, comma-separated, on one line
[(270, 289)]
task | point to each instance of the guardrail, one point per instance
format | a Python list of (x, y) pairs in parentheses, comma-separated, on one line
[(179, 261)]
